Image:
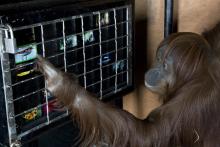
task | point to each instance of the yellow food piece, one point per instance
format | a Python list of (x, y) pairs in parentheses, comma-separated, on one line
[(24, 73), (31, 115)]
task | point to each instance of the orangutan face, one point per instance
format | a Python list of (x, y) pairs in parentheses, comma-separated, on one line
[(158, 77)]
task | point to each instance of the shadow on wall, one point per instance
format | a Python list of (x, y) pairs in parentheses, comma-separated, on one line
[(134, 102), (140, 52)]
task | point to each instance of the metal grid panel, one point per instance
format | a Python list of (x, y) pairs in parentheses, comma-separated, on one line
[(95, 46)]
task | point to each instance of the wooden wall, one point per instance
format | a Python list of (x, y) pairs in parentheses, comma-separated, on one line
[(190, 16)]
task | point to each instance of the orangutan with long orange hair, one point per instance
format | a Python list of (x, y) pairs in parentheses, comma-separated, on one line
[(186, 75)]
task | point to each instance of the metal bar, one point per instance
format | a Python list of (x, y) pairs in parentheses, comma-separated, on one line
[(84, 54), (70, 65), (116, 54), (168, 18), (8, 96), (102, 67), (42, 40), (46, 94), (31, 109), (64, 46), (106, 78), (64, 50), (6, 33), (26, 80), (33, 78), (23, 65), (26, 95), (119, 89), (100, 53), (55, 39), (65, 19), (128, 43), (76, 49), (41, 126), (8, 93)]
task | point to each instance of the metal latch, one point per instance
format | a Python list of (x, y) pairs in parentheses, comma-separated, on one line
[(9, 41)]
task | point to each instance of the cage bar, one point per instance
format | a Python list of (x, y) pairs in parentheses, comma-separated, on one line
[(116, 54), (100, 53), (8, 99), (46, 94), (127, 31), (84, 55), (64, 46)]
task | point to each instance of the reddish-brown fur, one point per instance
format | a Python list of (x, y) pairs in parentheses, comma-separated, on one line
[(189, 116)]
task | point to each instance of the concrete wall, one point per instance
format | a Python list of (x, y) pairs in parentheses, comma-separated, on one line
[(190, 16)]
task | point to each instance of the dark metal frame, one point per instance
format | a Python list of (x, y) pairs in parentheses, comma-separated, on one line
[(168, 18)]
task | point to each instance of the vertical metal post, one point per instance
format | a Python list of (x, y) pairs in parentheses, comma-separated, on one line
[(64, 50), (64, 46), (84, 53), (129, 45), (128, 33), (8, 93), (46, 94), (116, 53), (168, 18), (100, 50)]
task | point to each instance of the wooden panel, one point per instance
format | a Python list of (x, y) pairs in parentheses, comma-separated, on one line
[(190, 16)]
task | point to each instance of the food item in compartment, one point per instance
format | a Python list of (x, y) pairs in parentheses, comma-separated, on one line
[(104, 19), (25, 53), (25, 73), (89, 37), (106, 59), (119, 66), (32, 115), (21, 73), (71, 41)]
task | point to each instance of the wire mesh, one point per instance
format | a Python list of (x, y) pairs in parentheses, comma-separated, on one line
[(95, 46)]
